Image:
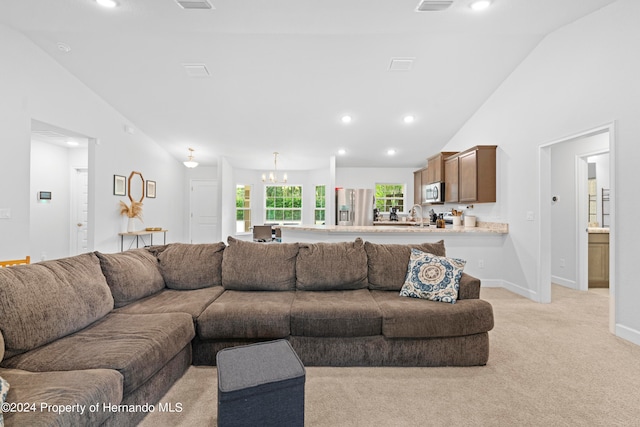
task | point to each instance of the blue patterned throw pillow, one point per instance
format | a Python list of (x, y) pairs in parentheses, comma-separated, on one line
[(4, 389), (432, 277)]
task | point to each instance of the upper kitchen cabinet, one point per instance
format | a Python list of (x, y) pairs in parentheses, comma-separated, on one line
[(419, 181), (470, 176), (435, 167)]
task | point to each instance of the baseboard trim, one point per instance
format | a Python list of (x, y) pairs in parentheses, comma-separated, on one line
[(516, 289), (628, 333), (564, 282)]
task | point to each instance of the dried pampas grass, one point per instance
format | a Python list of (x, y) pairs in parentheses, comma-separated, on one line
[(133, 211)]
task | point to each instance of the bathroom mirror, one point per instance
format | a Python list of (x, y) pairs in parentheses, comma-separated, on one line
[(136, 187)]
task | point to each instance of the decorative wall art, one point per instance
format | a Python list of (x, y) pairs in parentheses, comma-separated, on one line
[(151, 189), (119, 185)]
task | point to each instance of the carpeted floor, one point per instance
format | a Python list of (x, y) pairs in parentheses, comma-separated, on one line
[(550, 365)]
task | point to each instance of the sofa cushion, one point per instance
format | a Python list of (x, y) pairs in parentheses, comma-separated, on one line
[(387, 263), (252, 315), (432, 277), (250, 266), (191, 266), (45, 301), (136, 345), (83, 388), (174, 301), (331, 266), (335, 314), (418, 318), (131, 275)]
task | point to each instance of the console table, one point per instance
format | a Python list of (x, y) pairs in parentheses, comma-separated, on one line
[(139, 235)]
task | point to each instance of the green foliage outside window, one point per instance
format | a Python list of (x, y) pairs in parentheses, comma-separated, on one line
[(320, 210), (283, 204), (388, 196), (243, 208)]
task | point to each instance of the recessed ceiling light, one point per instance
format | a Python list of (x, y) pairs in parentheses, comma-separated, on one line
[(391, 152), (346, 119), (342, 151), (480, 4), (73, 143), (107, 3), (409, 119)]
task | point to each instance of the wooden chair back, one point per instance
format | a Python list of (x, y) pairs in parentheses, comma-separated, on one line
[(12, 262)]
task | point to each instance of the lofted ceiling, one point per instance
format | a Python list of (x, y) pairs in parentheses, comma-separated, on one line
[(282, 73)]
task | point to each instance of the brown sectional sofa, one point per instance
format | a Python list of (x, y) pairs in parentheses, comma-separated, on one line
[(122, 328)]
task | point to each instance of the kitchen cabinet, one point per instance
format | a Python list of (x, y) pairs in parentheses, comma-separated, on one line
[(598, 260), (451, 179), (435, 167), (419, 181), (471, 175)]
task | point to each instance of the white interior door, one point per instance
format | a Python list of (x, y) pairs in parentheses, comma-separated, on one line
[(79, 209), (204, 212)]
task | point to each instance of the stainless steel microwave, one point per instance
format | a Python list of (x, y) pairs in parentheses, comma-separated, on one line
[(434, 192)]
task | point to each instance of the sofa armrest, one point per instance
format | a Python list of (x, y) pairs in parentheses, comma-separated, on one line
[(469, 287)]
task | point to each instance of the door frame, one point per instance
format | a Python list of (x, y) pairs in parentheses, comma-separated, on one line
[(544, 203)]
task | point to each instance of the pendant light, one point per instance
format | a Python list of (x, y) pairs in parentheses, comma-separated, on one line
[(190, 163), (273, 175)]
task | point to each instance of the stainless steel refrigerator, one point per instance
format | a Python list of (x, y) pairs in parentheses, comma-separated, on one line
[(354, 206)]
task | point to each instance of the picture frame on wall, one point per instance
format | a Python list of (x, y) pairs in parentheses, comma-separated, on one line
[(151, 189), (119, 185)]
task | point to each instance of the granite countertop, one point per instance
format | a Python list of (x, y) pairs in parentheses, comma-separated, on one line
[(481, 228), (598, 230)]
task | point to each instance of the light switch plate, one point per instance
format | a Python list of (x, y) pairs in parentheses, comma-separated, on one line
[(530, 216), (5, 213)]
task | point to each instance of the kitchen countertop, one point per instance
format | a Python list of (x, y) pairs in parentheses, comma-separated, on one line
[(598, 230), (482, 228)]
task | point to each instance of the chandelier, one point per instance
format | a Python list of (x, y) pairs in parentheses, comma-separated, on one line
[(190, 163), (273, 175)]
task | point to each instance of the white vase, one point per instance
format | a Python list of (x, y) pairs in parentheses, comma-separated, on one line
[(131, 227)]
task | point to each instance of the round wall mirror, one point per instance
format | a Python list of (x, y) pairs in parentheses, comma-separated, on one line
[(136, 187)]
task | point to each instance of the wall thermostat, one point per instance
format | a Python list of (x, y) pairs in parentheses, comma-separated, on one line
[(44, 195)]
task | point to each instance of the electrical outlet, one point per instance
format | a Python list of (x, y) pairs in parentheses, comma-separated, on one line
[(562, 263), (5, 213), (481, 263), (530, 216)]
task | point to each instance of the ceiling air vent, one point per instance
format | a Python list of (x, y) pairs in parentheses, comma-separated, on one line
[(196, 70), (194, 4), (433, 5), (401, 64)]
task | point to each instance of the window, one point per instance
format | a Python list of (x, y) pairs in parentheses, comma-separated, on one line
[(283, 204), (321, 205), (388, 196), (243, 208)]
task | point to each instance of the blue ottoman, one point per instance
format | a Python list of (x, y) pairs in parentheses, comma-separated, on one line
[(260, 385)]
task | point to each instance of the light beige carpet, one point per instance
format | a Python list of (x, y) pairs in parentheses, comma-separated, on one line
[(550, 365)]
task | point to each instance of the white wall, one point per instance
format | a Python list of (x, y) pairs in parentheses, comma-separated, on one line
[(34, 86), (582, 76)]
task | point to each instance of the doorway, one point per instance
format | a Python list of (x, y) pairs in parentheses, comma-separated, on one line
[(58, 224), (576, 217)]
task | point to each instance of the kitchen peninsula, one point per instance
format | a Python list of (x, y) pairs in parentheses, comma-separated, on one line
[(388, 233), (482, 246)]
